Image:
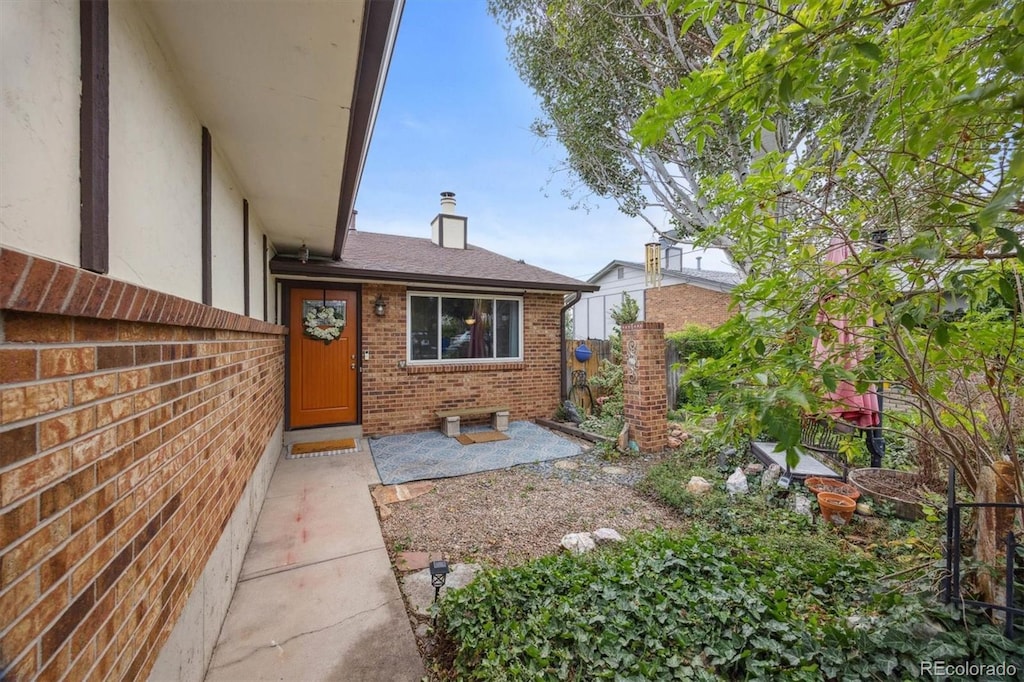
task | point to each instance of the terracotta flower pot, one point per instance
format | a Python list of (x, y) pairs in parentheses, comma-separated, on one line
[(835, 508), (821, 484)]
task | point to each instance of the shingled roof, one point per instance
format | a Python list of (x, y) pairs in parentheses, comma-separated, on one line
[(388, 257), (709, 279)]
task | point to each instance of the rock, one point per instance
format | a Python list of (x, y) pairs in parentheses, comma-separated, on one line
[(422, 631), (771, 476), (388, 494), (698, 485), (864, 509), (420, 593), (385, 512), (674, 442), (736, 484), (603, 536), (571, 413), (615, 471), (753, 469), (566, 465), (578, 543), (623, 440), (802, 505)]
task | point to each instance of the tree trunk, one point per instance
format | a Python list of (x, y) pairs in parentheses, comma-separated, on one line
[(994, 485)]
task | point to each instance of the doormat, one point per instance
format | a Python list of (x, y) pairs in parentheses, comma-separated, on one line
[(481, 437), (322, 448)]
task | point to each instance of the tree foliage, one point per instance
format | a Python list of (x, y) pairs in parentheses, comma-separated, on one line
[(598, 65), (914, 161)]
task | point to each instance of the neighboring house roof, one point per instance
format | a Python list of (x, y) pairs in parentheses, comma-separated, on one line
[(708, 279), (388, 257)]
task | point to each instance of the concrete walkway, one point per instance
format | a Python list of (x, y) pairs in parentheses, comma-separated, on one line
[(316, 598)]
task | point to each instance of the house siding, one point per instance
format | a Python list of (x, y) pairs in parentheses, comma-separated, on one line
[(679, 305), (592, 316), (133, 427), (41, 82), (399, 399)]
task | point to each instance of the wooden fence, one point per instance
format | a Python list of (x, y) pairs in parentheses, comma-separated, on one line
[(602, 350)]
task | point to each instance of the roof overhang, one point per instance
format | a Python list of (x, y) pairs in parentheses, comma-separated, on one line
[(289, 90), (288, 266)]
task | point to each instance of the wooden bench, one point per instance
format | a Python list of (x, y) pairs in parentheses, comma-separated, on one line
[(450, 419)]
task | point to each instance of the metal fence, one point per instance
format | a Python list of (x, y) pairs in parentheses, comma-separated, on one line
[(951, 581)]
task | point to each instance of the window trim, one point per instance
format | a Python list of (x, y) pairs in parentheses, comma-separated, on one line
[(460, 294)]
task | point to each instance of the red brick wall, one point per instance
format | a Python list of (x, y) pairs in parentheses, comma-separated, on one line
[(679, 305), (130, 422), (643, 384), (401, 400)]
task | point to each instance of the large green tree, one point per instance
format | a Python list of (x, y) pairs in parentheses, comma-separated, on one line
[(598, 65), (924, 189)]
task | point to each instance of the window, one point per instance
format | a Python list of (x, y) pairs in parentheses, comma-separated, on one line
[(453, 328), (620, 272)]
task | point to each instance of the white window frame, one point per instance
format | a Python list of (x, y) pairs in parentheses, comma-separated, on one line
[(460, 294)]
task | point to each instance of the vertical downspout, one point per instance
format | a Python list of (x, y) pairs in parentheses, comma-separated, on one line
[(577, 295)]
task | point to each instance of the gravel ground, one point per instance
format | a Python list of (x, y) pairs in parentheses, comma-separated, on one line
[(505, 517)]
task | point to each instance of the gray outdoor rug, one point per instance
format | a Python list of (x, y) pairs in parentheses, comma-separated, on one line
[(431, 454)]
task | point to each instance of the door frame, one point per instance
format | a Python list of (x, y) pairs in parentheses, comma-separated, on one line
[(286, 315)]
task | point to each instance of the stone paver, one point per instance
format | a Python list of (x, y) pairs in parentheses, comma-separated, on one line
[(420, 592), (389, 494)]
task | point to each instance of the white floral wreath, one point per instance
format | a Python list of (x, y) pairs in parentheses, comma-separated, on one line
[(324, 323)]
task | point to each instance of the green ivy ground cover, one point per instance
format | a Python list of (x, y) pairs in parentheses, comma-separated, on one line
[(701, 606)]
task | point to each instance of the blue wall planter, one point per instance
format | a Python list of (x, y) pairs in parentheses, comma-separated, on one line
[(582, 352)]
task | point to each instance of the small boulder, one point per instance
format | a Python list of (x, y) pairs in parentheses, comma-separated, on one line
[(864, 509), (771, 476), (698, 485), (578, 543), (604, 536), (384, 511), (753, 469), (571, 413), (802, 505), (674, 442), (736, 484)]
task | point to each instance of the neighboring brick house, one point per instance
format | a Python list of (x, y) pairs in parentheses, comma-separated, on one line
[(685, 296)]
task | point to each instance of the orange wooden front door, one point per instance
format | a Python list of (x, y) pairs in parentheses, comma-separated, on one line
[(322, 376)]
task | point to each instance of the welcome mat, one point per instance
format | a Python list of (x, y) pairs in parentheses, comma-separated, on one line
[(430, 454), (323, 448)]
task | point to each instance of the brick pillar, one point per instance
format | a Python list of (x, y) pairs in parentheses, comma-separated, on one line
[(643, 384)]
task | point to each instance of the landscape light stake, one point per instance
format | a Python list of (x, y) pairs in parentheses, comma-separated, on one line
[(438, 573)]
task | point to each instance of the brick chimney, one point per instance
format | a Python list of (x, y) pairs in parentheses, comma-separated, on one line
[(447, 229)]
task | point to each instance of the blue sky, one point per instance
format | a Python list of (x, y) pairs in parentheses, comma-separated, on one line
[(455, 117)]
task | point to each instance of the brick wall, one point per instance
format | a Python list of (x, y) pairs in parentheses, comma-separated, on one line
[(643, 384), (130, 423), (679, 305), (401, 400)]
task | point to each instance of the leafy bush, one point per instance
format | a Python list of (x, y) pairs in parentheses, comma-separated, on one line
[(697, 342), (701, 606), (702, 381)]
